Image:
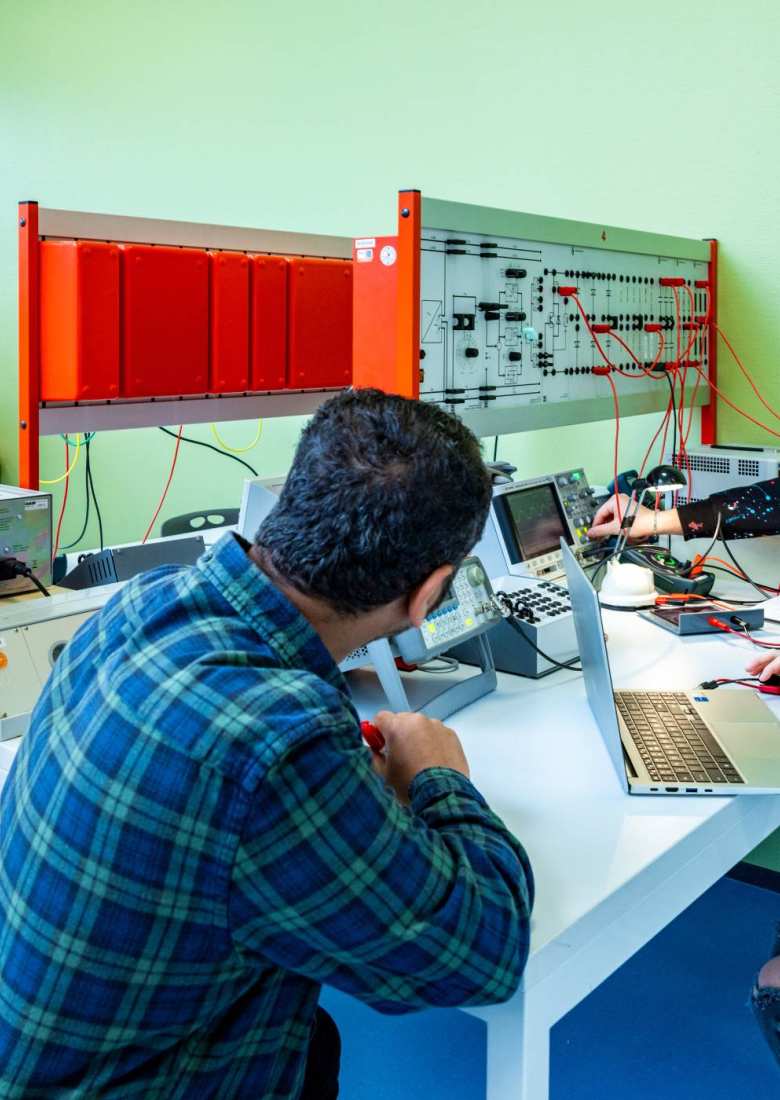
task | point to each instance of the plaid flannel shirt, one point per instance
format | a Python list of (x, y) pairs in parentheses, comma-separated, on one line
[(192, 840)]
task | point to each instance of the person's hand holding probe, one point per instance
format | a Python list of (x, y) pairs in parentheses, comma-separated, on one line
[(606, 522), (412, 743)]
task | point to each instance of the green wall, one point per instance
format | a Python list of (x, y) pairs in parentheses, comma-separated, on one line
[(311, 116)]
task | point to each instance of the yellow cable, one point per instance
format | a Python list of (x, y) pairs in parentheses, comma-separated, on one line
[(70, 469), (237, 450)]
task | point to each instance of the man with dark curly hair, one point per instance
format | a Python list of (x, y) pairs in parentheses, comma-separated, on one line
[(194, 838)]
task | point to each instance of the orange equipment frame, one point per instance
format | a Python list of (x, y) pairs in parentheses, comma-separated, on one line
[(325, 259)]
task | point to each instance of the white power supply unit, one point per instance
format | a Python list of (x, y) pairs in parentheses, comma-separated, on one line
[(714, 469), (33, 633)]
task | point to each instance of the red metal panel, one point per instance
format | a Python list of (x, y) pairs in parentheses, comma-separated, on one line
[(165, 320), (79, 320), (320, 323), (29, 344), (375, 319), (268, 296), (229, 321), (709, 412), (387, 304)]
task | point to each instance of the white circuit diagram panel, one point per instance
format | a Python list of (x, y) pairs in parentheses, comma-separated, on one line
[(495, 331)]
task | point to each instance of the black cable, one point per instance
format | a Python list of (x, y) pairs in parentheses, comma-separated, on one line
[(11, 567), (41, 587), (211, 447), (495, 449), (551, 660), (95, 500), (599, 567), (745, 575), (733, 575), (84, 525)]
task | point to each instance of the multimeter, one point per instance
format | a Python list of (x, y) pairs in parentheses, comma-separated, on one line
[(670, 574)]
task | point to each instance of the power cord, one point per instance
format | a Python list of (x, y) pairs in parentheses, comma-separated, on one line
[(90, 496), (10, 568), (754, 584), (566, 665), (506, 607), (210, 447), (440, 666)]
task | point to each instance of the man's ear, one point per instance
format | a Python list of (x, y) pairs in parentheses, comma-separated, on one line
[(427, 595)]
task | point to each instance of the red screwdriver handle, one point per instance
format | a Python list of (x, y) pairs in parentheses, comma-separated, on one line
[(372, 736)]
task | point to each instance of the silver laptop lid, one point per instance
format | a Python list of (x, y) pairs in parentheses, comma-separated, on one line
[(595, 663)]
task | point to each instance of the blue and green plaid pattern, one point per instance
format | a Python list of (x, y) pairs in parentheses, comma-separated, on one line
[(192, 840)]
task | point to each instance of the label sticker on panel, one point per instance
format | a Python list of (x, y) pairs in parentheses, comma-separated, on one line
[(388, 255), (364, 255)]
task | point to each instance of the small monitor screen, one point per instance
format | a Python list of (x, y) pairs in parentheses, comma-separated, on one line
[(532, 521)]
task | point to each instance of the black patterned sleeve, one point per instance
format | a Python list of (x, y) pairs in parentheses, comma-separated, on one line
[(745, 512)]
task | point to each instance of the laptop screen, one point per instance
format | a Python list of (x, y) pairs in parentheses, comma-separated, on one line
[(595, 663)]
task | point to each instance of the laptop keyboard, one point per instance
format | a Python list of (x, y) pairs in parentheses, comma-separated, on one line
[(673, 740)]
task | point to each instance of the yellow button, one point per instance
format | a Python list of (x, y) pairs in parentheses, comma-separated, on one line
[(431, 628), (469, 622)]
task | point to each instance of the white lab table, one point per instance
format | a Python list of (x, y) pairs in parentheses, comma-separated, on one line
[(611, 870)]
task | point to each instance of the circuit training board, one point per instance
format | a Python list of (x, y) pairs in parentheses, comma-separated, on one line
[(493, 326), (467, 307)]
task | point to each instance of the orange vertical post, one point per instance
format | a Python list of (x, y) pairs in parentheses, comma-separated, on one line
[(407, 379), (29, 344), (709, 412)]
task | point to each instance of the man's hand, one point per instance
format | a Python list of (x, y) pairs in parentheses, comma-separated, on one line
[(412, 744), (606, 523), (764, 666)]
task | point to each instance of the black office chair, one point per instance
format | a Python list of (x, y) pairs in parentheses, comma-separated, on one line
[(193, 523)]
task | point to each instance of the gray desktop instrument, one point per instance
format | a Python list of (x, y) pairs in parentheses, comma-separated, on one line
[(671, 742), (120, 564), (695, 618), (542, 612), (467, 613), (25, 534), (527, 520)]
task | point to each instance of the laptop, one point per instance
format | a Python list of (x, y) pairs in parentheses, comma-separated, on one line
[(673, 742)]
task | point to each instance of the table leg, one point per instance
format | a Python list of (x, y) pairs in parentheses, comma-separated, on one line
[(518, 1052)]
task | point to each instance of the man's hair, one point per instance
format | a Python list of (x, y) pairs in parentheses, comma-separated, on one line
[(382, 491)]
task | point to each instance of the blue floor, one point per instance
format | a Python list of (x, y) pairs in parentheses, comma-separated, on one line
[(672, 1024)]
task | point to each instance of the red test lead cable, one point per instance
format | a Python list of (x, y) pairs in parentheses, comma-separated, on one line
[(744, 633), (167, 485), (731, 404)]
